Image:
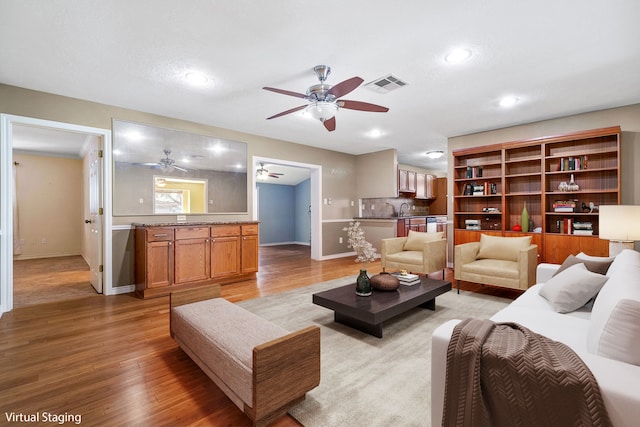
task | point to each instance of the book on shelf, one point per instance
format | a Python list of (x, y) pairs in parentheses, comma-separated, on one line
[(583, 232), (564, 206), (573, 163)]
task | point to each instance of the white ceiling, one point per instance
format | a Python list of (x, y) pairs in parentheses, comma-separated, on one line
[(558, 57)]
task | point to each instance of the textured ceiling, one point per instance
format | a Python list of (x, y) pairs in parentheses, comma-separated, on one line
[(558, 58)]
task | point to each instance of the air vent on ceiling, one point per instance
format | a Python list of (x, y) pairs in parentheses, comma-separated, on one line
[(386, 84)]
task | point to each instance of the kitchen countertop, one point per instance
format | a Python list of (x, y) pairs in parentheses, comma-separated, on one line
[(195, 223), (391, 218)]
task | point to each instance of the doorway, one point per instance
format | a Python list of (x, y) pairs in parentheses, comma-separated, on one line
[(313, 210), (95, 149)]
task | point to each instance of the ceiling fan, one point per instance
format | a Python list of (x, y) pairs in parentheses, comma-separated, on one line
[(324, 102), (263, 174), (165, 163)]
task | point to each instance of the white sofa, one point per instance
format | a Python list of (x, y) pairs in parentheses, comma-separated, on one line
[(582, 330)]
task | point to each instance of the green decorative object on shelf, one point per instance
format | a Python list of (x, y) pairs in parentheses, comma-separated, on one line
[(524, 218)]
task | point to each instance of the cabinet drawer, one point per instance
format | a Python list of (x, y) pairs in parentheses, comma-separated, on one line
[(192, 233), (225, 230), (159, 234), (249, 229), (418, 221)]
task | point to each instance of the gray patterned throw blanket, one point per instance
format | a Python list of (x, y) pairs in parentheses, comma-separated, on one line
[(503, 374)]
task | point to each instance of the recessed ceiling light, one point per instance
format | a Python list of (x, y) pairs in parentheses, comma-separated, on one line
[(196, 77), (508, 101), (458, 55), (375, 133), (436, 154)]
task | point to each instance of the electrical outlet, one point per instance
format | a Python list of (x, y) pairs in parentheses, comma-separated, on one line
[(141, 200), (44, 241), (353, 203), (373, 207), (181, 218), (340, 240)]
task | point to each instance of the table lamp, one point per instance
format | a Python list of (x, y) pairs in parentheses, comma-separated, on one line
[(620, 224)]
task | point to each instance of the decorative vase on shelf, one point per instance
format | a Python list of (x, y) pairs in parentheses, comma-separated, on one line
[(363, 284), (524, 218)]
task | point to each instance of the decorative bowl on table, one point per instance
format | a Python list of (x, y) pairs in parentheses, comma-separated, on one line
[(384, 282)]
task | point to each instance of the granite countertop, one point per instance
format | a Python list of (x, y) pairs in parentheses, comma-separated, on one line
[(194, 223), (394, 218)]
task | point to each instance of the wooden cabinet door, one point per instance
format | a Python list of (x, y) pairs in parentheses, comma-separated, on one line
[(557, 247), (192, 260), (249, 250), (159, 264), (430, 186), (421, 186), (225, 256)]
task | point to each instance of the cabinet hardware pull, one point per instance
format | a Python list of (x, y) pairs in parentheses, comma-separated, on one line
[(161, 235)]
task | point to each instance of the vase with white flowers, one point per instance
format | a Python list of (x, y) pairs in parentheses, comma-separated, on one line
[(365, 253)]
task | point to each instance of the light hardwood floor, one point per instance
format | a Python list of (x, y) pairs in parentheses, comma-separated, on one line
[(110, 359)]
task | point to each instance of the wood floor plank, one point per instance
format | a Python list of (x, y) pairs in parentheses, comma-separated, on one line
[(111, 359)]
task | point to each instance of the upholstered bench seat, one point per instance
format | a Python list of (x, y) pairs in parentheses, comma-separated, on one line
[(227, 344), (263, 368)]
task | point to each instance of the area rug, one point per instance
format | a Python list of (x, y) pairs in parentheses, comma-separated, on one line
[(369, 381)]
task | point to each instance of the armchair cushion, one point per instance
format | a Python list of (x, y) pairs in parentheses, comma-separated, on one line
[(416, 240), (505, 248)]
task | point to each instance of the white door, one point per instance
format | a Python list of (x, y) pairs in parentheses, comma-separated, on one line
[(94, 222)]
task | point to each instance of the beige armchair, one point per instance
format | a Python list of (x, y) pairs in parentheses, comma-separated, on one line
[(501, 261), (420, 253)]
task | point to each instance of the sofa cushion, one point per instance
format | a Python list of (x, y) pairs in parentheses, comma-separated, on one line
[(505, 248), (620, 338), (416, 240), (599, 267), (623, 284), (493, 268), (406, 257), (582, 255), (572, 288)]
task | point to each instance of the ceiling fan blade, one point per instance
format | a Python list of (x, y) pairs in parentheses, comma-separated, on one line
[(285, 92), (293, 110), (180, 169), (272, 175), (345, 87), (330, 124), (362, 106)]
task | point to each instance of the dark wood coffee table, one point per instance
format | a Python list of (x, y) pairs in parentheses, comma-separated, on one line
[(368, 313)]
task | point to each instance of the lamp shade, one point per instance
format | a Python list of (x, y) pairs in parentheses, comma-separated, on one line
[(620, 222)]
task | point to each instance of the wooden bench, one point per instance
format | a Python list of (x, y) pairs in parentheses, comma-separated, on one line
[(261, 367)]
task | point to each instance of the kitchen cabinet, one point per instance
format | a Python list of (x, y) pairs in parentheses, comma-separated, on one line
[(225, 250), (411, 223), (406, 181), (249, 250), (175, 257), (425, 186)]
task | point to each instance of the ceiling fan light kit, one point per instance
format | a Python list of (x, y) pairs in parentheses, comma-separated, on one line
[(323, 98), (263, 174)]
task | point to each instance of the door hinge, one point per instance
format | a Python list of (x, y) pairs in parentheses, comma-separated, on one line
[(101, 268), (100, 153), (100, 211)]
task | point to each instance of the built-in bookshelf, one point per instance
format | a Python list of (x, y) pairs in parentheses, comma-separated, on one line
[(560, 179)]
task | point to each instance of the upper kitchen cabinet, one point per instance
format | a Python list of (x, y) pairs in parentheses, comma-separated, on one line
[(426, 186), (406, 181)]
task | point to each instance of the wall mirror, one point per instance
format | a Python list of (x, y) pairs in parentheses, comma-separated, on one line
[(160, 171)]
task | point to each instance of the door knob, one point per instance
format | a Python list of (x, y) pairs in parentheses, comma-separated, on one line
[(87, 221)]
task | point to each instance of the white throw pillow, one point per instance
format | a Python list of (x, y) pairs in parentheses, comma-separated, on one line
[(623, 284), (620, 338), (416, 239), (572, 288)]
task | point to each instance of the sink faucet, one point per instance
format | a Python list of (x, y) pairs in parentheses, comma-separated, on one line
[(401, 208)]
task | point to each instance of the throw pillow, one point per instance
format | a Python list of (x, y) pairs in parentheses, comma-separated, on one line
[(505, 248), (620, 338), (573, 288), (599, 267), (417, 239), (623, 284), (582, 255)]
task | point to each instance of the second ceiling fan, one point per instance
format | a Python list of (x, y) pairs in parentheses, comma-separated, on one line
[(324, 102)]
